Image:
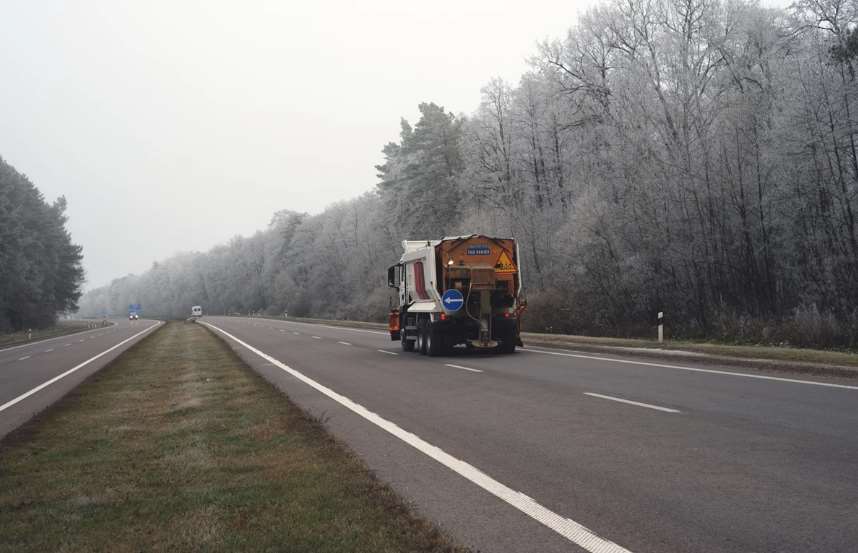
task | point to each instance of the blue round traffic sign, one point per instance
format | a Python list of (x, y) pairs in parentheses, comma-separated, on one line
[(452, 300)]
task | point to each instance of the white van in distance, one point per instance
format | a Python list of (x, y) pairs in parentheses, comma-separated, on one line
[(196, 311)]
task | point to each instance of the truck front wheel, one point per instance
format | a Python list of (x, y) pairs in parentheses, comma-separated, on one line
[(434, 341), (407, 345)]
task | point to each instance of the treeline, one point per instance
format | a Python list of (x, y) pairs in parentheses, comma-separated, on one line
[(688, 156), (40, 267)]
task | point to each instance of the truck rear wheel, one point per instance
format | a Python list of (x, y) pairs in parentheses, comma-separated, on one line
[(420, 346), (508, 339), (507, 346)]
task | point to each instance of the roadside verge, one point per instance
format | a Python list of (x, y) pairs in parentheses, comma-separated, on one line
[(780, 359)]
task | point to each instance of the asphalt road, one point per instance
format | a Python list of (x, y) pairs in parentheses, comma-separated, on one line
[(34, 376), (541, 451)]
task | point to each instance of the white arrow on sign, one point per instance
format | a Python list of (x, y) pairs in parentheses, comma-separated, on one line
[(448, 301)]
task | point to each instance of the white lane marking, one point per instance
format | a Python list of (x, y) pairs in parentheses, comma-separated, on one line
[(344, 343), (693, 369), (43, 385), (296, 333), (387, 352), (317, 337), (566, 527), (621, 400), (281, 330), (463, 368), (66, 345), (23, 358), (37, 342), (49, 350), (352, 329)]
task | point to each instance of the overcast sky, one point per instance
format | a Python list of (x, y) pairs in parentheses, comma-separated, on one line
[(173, 126)]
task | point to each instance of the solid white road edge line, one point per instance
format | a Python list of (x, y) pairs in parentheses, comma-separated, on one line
[(621, 400), (24, 358), (24, 396), (566, 527), (463, 368), (344, 343), (387, 352), (693, 369)]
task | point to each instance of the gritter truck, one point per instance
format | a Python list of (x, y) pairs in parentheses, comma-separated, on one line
[(461, 290)]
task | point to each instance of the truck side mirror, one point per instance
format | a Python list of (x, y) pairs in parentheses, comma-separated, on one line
[(393, 276)]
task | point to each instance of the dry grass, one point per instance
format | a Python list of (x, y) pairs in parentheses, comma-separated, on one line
[(178, 446)]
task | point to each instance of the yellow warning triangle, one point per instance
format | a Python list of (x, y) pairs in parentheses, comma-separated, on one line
[(505, 264)]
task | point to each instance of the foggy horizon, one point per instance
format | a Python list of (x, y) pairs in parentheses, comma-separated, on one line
[(121, 107)]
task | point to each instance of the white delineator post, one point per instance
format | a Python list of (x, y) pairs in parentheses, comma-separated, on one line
[(661, 326)]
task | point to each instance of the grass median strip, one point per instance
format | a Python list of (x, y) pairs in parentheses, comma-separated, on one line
[(179, 446)]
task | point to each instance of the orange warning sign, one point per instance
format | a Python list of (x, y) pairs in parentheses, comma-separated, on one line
[(505, 264)]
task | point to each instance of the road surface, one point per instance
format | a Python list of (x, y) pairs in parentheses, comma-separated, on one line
[(551, 450), (33, 376)]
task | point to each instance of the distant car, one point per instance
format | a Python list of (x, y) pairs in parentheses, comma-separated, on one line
[(133, 316), (196, 311)]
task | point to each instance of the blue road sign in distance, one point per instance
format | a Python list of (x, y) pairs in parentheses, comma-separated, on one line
[(452, 300)]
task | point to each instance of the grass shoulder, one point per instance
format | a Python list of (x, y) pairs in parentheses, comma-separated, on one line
[(179, 446), (775, 353)]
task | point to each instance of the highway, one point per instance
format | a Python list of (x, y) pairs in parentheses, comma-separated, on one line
[(35, 375), (553, 450)]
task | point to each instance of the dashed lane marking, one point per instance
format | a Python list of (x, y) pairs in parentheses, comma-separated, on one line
[(566, 527), (462, 368), (636, 403), (43, 385)]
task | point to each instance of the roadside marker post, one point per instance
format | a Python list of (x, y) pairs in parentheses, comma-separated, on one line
[(660, 327)]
